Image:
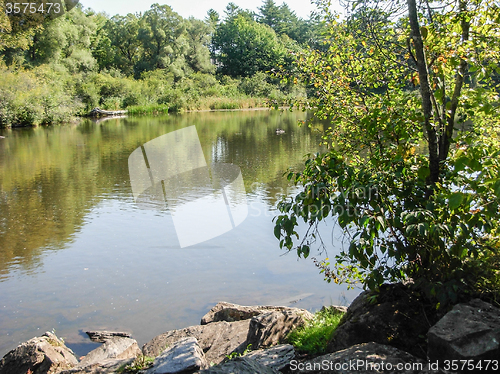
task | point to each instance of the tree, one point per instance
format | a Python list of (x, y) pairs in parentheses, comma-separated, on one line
[(12, 39), (244, 47), (163, 36), (65, 40), (388, 84), (123, 35), (199, 38), (270, 15), (285, 22)]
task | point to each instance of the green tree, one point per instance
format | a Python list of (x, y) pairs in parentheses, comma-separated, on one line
[(270, 15), (124, 43), (199, 38), (244, 47), (12, 39), (163, 37), (101, 47), (427, 213), (285, 22), (66, 41)]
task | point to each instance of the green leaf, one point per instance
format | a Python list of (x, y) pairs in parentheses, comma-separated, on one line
[(424, 32), (497, 189), (423, 172), (277, 231), (455, 200)]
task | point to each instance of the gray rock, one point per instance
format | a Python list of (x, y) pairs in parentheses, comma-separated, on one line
[(338, 308), (396, 318), (102, 336), (116, 348), (42, 355), (468, 331), (240, 365), (271, 328), (366, 358), (229, 312), (277, 357), (104, 367), (184, 355), (216, 339)]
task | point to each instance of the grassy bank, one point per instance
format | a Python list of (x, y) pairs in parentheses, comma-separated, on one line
[(49, 94), (312, 338)]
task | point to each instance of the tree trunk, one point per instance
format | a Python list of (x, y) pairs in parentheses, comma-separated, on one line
[(425, 92)]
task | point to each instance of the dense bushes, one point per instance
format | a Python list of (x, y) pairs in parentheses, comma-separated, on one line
[(36, 97), (50, 94)]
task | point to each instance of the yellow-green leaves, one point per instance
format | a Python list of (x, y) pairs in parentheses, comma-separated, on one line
[(410, 221)]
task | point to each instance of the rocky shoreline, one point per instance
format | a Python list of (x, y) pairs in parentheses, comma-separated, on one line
[(250, 339)]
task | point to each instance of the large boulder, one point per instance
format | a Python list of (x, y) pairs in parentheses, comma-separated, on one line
[(396, 317), (468, 332), (366, 358), (271, 328), (240, 365), (117, 348), (217, 339), (41, 355), (185, 355), (277, 357), (229, 312)]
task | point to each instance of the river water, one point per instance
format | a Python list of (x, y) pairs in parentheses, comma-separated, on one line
[(79, 252)]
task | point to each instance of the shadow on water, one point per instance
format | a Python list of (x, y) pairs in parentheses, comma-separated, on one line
[(82, 348)]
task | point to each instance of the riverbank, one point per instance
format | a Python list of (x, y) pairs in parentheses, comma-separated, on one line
[(44, 95), (253, 339)]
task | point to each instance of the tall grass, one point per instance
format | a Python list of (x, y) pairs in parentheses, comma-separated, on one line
[(312, 338), (148, 109)]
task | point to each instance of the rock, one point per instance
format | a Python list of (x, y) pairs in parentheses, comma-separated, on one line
[(104, 367), (339, 309), (397, 318), (240, 365), (117, 348), (271, 328), (277, 357), (366, 358), (468, 332), (229, 312), (216, 339), (102, 336), (45, 354), (184, 355)]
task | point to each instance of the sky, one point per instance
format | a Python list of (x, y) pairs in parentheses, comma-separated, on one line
[(186, 8)]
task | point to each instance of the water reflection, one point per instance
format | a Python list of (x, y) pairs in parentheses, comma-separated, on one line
[(204, 203), (77, 252)]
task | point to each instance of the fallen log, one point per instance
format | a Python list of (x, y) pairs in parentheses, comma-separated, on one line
[(98, 112)]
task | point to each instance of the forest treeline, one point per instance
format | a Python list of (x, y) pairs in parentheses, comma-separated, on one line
[(155, 61)]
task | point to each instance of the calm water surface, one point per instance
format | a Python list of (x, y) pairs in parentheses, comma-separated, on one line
[(78, 253)]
